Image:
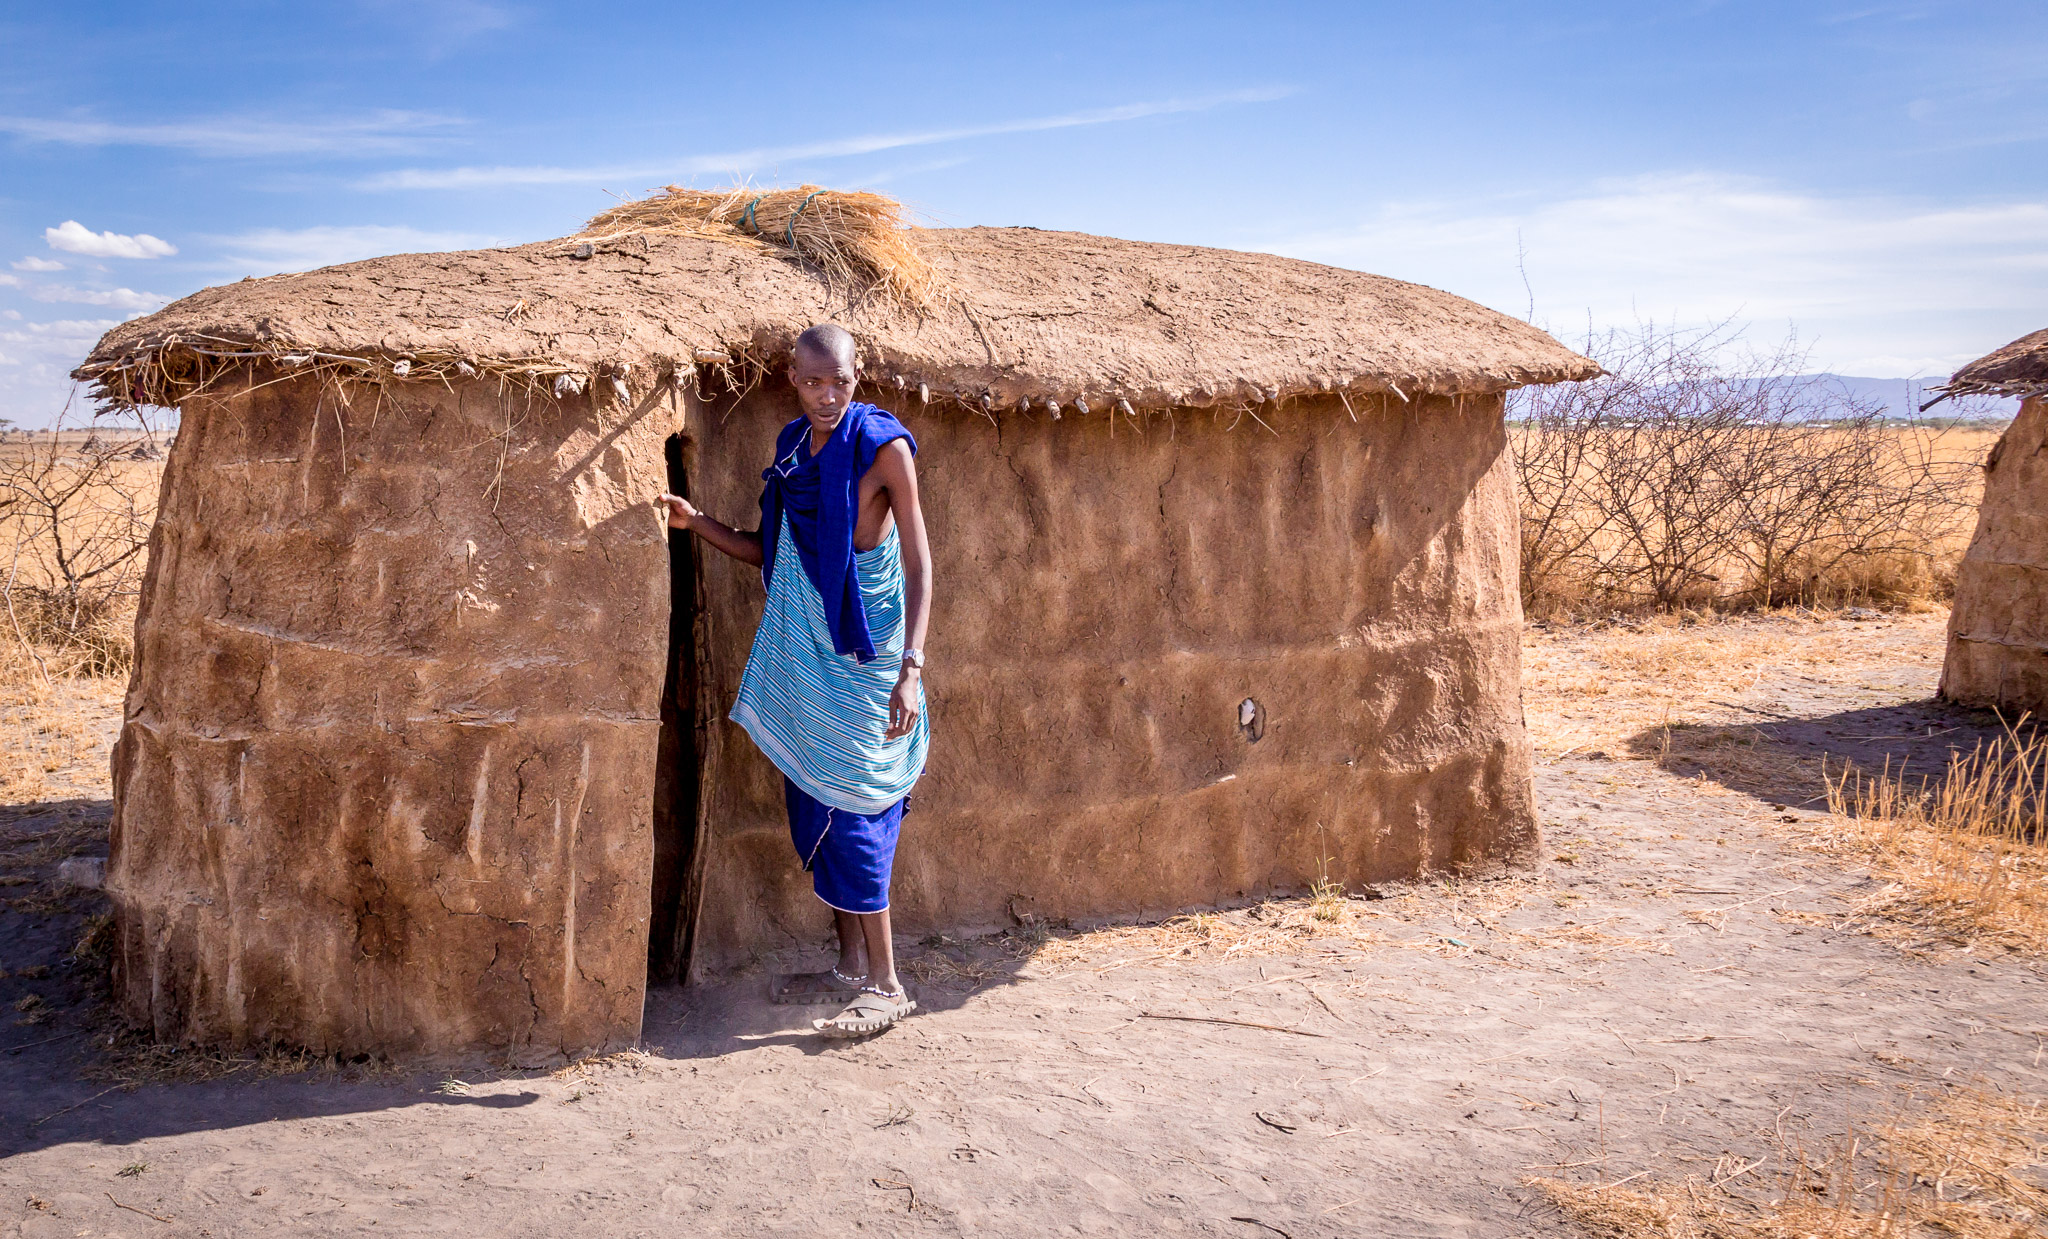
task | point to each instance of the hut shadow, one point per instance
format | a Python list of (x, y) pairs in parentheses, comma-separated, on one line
[(29, 813), (1780, 758), (36, 833), (43, 1100), (42, 1104)]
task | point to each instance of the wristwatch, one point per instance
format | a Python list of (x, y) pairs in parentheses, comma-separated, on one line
[(914, 658)]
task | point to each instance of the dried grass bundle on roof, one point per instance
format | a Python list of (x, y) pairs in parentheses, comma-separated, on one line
[(859, 240)]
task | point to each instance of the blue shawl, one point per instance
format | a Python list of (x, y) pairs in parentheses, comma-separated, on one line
[(820, 494)]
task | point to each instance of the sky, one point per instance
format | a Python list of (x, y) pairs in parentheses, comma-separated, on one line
[(1870, 176)]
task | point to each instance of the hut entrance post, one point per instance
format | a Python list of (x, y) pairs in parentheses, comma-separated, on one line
[(678, 859)]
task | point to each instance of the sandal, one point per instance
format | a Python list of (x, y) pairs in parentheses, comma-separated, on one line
[(838, 987), (871, 1011)]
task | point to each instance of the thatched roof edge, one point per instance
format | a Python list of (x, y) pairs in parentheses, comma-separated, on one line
[(2018, 369), (1033, 317)]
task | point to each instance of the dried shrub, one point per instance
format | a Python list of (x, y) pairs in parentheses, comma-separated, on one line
[(76, 505), (1695, 476)]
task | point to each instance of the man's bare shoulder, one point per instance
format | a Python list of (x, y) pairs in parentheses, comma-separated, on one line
[(894, 460)]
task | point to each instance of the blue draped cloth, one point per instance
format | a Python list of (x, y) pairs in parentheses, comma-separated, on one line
[(850, 855), (820, 715), (826, 657), (819, 496)]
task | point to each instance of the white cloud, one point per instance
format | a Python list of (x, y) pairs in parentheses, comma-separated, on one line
[(1877, 286), (738, 162), (9, 281), (32, 263), (268, 250), (35, 364), (380, 133), (75, 238), (115, 298)]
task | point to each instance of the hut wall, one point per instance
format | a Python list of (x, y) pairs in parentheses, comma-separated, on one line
[(1103, 607), (386, 772), (1998, 628)]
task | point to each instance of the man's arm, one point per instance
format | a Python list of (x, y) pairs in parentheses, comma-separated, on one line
[(897, 471), (745, 547)]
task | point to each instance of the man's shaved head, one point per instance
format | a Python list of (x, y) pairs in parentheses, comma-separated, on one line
[(824, 369), (829, 342)]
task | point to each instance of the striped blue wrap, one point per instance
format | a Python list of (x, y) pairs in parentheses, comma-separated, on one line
[(820, 715)]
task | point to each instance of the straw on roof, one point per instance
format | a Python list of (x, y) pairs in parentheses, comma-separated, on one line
[(2018, 369), (857, 240), (1028, 315)]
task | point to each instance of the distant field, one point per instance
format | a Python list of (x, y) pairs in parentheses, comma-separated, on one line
[(1872, 516)]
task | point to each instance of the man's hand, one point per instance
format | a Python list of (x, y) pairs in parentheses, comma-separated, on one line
[(680, 513), (903, 704)]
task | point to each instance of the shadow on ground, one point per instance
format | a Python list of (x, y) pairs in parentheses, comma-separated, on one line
[(733, 1015), (1780, 758), (36, 1113)]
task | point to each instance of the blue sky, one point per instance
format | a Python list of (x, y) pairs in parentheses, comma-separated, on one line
[(1871, 175)]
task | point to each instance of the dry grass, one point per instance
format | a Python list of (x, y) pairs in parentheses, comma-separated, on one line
[(858, 240), (53, 733), (128, 1058), (1592, 688), (1964, 856), (1967, 1166)]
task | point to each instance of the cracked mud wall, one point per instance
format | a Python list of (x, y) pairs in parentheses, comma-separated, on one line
[(386, 773), (1104, 607), (1998, 628)]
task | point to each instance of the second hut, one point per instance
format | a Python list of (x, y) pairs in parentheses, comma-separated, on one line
[(1998, 628)]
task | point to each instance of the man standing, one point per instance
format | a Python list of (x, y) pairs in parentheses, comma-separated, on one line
[(833, 692)]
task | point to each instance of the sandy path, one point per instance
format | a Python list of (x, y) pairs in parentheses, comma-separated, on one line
[(1644, 1007)]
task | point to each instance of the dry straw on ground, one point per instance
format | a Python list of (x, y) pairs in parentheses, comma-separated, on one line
[(1965, 1166), (859, 240), (1964, 855)]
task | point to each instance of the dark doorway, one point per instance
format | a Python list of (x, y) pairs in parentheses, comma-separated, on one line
[(678, 860)]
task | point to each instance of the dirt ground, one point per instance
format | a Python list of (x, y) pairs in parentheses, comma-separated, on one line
[(1683, 994)]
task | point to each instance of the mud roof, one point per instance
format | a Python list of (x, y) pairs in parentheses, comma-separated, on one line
[(1027, 315), (2018, 369)]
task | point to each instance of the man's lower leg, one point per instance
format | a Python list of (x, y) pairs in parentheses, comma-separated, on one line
[(881, 952), (853, 945)]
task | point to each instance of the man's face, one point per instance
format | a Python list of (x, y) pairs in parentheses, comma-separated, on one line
[(824, 386)]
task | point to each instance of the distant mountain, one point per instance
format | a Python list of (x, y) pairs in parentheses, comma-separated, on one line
[(1903, 397)]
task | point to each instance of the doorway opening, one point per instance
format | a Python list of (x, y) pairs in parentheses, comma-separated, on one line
[(678, 855)]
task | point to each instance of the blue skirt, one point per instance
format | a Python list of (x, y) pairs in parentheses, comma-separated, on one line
[(848, 855)]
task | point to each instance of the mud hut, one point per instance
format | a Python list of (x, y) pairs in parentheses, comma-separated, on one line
[(426, 748), (1998, 629)]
